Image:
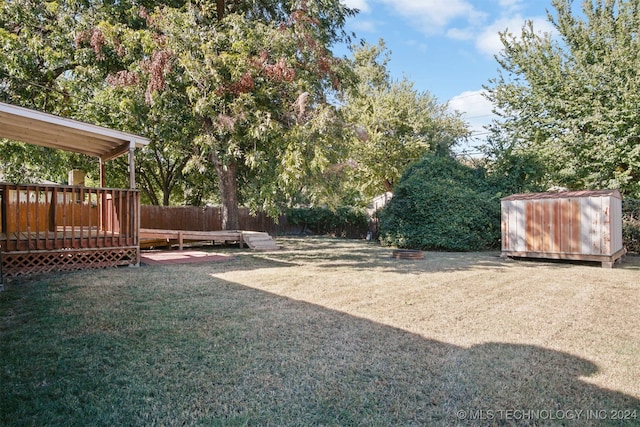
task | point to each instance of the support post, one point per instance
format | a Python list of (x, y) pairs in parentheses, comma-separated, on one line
[(101, 173), (132, 165), (101, 197)]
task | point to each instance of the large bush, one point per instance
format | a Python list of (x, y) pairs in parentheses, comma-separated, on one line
[(441, 204), (631, 224)]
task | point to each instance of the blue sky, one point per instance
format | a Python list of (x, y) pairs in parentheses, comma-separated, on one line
[(447, 47)]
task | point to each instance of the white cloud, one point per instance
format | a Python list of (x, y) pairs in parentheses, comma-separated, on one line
[(361, 5), (488, 41), (475, 110), (433, 16), (509, 6), (460, 33), (472, 103), (364, 26), (418, 46)]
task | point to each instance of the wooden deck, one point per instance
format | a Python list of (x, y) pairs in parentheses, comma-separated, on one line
[(47, 228), (253, 239), (71, 238), (180, 236)]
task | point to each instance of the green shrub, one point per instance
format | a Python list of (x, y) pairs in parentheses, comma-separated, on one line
[(441, 204), (631, 224), (345, 221)]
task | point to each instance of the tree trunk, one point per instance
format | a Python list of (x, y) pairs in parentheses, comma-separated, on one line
[(220, 9), (228, 185), (166, 196)]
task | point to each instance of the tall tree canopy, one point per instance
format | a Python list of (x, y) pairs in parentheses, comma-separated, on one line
[(238, 87), (36, 56), (258, 89), (570, 100), (393, 125)]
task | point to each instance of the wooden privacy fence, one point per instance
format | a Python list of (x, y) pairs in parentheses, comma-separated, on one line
[(208, 218)]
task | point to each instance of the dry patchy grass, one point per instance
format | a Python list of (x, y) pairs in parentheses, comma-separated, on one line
[(326, 332)]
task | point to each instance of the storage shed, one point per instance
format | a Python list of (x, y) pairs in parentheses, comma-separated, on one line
[(575, 225)]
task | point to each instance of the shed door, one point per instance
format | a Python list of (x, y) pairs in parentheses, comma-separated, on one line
[(553, 226)]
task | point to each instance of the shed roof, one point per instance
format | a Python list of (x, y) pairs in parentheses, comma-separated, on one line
[(48, 130), (564, 195)]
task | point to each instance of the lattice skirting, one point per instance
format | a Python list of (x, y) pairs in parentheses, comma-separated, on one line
[(16, 264)]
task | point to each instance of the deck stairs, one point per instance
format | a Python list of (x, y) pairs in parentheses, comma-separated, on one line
[(259, 241)]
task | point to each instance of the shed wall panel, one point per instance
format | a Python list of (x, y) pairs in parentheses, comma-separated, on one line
[(565, 225), (574, 224), (522, 225), (606, 226), (521, 241), (557, 224), (543, 228), (587, 218), (585, 223), (514, 226), (548, 226), (530, 227), (615, 215), (597, 226)]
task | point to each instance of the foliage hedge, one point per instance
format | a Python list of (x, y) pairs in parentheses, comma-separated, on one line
[(631, 224), (441, 204), (345, 221)]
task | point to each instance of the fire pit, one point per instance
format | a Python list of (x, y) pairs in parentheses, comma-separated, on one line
[(407, 254)]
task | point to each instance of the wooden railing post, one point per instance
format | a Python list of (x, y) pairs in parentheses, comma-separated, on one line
[(4, 196), (55, 219)]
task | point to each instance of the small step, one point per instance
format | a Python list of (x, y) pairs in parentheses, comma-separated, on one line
[(259, 241)]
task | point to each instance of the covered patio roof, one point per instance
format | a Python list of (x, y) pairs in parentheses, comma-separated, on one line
[(48, 130), (35, 127)]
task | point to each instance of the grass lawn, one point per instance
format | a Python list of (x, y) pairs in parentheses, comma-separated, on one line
[(325, 332)]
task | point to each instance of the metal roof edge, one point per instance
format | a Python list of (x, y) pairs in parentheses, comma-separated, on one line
[(73, 124), (564, 195)]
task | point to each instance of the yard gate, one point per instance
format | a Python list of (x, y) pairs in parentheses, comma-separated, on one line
[(576, 225)]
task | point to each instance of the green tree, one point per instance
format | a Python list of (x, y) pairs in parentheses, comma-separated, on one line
[(36, 55), (393, 125), (237, 87), (511, 169), (258, 89), (571, 99)]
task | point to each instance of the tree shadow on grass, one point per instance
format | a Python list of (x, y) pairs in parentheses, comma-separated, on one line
[(335, 253), (219, 353)]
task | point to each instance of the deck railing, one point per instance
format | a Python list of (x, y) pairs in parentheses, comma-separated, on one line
[(36, 217)]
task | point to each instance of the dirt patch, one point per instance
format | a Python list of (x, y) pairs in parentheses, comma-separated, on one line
[(181, 257)]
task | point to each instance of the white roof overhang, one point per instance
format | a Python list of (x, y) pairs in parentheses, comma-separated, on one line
[(48, 130)]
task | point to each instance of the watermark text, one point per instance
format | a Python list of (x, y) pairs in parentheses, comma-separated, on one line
[(547, 414)]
